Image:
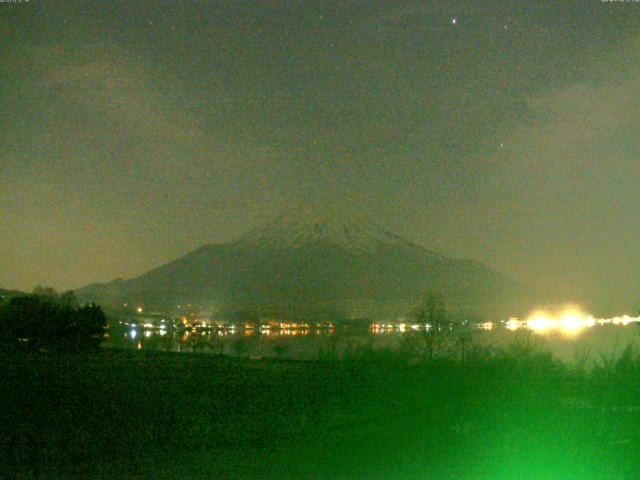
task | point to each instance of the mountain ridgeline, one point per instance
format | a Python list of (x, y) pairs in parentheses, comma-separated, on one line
[(313, 266)]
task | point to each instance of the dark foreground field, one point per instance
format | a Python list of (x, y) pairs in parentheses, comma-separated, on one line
[(509, 415)]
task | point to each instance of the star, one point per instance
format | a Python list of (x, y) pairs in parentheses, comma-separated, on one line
[(454, 21)]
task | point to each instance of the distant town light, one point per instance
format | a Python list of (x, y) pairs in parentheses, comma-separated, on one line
[(541, 322), (513, 324), (569, 321)]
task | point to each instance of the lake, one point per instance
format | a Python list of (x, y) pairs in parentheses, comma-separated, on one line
[(588, 342)]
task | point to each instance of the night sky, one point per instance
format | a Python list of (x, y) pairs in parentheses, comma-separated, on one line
[(505, 132)]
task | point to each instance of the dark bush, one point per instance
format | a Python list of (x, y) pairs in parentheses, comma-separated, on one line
[(50, 322)]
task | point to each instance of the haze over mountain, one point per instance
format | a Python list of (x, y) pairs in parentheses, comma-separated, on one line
[(309, 263)]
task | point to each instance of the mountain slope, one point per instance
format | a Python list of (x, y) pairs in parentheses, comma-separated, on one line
[(304, 263)]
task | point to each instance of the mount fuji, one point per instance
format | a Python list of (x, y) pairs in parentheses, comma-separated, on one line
[(312, 264)]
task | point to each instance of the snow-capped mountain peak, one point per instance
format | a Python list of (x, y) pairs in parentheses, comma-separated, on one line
[(303, 227)]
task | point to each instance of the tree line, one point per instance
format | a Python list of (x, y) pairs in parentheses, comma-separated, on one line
[(48, 320)]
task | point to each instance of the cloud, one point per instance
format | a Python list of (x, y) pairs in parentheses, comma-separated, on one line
[(560, 198), (109, 87), (576, 129)]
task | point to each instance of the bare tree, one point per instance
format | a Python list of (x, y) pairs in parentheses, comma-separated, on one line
[(432, 311)]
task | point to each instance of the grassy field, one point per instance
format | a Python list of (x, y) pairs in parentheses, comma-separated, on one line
[(515, 414)]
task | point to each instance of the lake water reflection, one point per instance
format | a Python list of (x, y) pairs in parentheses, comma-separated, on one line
[(303, 342)]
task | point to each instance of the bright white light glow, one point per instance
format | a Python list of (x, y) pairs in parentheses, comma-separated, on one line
[(513, 324), (541, 322), (571, 320)]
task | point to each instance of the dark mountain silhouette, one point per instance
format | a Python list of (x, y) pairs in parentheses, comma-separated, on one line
[(312, 265)]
